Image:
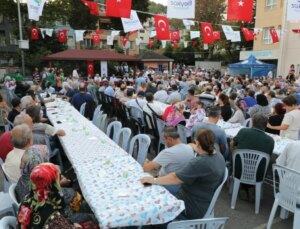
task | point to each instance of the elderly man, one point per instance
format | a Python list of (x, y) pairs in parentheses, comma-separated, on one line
[(290, 157), (5, 139), (161, 95), (174, 94), (26, 102), (171, 159), (81, 97), (21, 137), (110, 89)]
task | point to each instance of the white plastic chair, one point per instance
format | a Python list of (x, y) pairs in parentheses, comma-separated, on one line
[(116, 128), (6, 204), (12, 193), (125, 134), (250, 161), (248, 123), (96, 115), (8, 222), (214, 223), (160, 127), (6, 182), (82, 109), (103, 122), (285, 192), (182, 133), (210, 211), (144, 142)]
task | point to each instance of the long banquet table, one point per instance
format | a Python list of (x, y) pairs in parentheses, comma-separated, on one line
[(109, 176)]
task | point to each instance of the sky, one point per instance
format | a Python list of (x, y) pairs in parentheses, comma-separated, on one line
[(164, 2)]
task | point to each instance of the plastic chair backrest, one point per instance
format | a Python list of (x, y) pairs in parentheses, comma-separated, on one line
[(214, 223), (150, 125), (182, 133), (8, 222), (116, 128), (288, 187), (250, 160), (97, 117), (248, 123), (125, 134), (160, 127), (144, 142), (82, 109), (12, 193), (210, 211), (6, 182), (137, 114), (103, 122)]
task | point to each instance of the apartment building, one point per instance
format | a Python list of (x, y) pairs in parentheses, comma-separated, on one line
[(272, 14)]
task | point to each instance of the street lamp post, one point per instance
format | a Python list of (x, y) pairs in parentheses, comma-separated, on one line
[(21, 37)]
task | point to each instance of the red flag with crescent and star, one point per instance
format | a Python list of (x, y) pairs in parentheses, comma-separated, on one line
[(207, 32), (90, 68), (93, 6), (96, 39), (62, 36), (34, 34), (274, 35), (175, 36), (118, 8), (162, 27), (150, 43), (240, 10), (217, 35), (249, 35)]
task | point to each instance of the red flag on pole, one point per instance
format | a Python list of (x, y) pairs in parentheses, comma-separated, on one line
[(90, 68), (98, 31), (175, 36), (125, 41), (175, 43), (96, 39), (249, 35), (93, 6), (162, 27), (150, 43), (62, 36), (207, 32), (240, 10), (274, 35), (217, 35), (34, 34), (118, 8)]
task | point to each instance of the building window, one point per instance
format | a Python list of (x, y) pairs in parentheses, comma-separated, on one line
[(2, 39), (271, 4), (13, 39), (267, 39), (88, 43)]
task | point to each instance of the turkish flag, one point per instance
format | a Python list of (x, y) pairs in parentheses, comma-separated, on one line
[(194, 43), (296, 30), (93, 6), (217, 35), (162, 27), (175, 36), (249, 35), (125, 41), (240, 10), (118, 8), (90, 68), (274, 35), (34, 34), (175, 43), (98, 31), (207, 32), (62, 36), (96, 39), (150, 43)]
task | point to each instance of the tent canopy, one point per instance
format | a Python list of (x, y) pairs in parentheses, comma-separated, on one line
[(251, 67)]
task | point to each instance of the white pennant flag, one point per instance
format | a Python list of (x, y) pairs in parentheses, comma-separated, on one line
[(236, 36), (137, 41), (48, 32), (185, 43), (293, 10), (205, 46), (195, 34), (153, 33), (35, 9), (188, 23), (163, 43), (228, 31), (133, 23), (110, 40), (79, 35), (114, 33), (181, 9)]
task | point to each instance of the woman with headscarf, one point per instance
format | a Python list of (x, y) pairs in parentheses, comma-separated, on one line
[(276, 119), (43, 206), (262, 106), (240, 111)]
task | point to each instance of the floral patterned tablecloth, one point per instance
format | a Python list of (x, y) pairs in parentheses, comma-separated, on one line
[(108, 176)]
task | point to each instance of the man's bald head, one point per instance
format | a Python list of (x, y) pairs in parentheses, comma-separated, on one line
[(21, 136), (26, 102), (23, 119)]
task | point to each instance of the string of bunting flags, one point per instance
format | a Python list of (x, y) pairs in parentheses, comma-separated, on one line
[(237, 10)]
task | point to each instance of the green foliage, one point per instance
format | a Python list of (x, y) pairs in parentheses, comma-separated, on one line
[(156, 8)]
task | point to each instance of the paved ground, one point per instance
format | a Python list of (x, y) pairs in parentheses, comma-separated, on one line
[(243, 217)]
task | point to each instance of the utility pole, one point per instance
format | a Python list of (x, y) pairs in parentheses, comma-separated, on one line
[(21, 38)]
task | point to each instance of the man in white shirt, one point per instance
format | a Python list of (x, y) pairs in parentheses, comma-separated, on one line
[(151, 108), (75, 74), (139, 102), (21, 137), (290, 157), (175, 95), (161, 95)]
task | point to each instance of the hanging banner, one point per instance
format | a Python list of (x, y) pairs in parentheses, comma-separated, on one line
[(181, 9), (228, 31), (35, 9), (236, 36), (293, 10), (48, 32), (133, 23), (153, 33), (79, 35), (185, 44), (104, 69), (195, 34), (110, 40), (163, 43), (90, 68), (188, 23), (114, 33)]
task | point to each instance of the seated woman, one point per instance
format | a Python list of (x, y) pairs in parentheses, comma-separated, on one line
[(199, 178), (176, 115), (240, 111), (197, 115), (224, 103), (276, 119), (262, 106)]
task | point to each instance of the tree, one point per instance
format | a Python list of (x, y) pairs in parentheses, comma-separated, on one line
[(156, 8)]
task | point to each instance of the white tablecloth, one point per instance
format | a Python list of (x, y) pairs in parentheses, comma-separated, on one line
[(232, 130), (108, 176)]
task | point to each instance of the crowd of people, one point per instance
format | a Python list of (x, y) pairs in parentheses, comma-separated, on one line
[(197, 99)]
